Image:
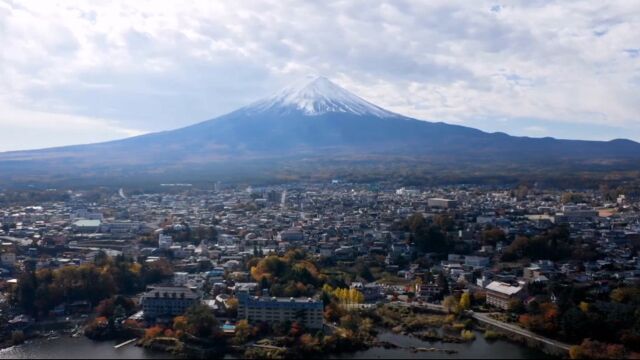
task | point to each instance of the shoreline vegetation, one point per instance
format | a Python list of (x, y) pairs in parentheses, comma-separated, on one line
[(356, 330)]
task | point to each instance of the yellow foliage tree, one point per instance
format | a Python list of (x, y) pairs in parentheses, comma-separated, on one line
[(465, 301), (584, 306), (180, 323), (450, 304)]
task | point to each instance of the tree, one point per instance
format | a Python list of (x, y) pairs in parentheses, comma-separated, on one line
[(574, 324), (570, 197), (243, 332), (584, 306), (26, 291), (107, 307), (153, 332), (625, 295), (201, 321), (516, 306), (180, 323), (232, 306), (591, 349), (451, 304), (465, 301), (492, 236)]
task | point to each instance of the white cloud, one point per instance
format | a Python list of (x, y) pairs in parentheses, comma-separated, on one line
[(536, 130), (155, 65), (25, 129)]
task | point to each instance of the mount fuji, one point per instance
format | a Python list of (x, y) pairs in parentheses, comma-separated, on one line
[(317, 96), (314, 119)]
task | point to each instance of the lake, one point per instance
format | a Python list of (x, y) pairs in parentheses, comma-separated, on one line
[(477, 349), (77, 348)]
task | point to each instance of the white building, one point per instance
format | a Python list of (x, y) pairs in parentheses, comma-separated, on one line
[(167, 301), (86, 226), (408, 192), (180, 278), (307, 311), (293, 234), (441, 203), (165, 241), (499, 294)]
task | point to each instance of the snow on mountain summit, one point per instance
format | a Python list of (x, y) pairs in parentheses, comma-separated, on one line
[(317, 96)]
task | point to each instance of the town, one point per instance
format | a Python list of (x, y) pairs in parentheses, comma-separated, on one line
[(322, 267)]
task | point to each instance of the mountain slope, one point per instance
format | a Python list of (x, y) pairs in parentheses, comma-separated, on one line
[(312, 119)]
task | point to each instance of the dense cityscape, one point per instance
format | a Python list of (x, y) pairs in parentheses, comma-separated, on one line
[(319, 179), (318, 269)]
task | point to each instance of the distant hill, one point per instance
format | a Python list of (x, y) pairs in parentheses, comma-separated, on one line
[(314, 119)]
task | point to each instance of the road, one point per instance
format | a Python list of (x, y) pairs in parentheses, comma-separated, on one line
[(485, 318)]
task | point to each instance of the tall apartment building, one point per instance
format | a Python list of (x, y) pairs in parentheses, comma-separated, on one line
[(306, 311), (166, 301)]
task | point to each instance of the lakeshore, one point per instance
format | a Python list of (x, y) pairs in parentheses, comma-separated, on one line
[(81, 347)]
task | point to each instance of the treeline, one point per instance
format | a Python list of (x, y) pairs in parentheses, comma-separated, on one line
[(33, 197), (290, 275), (611, 323), (428, 235), (554, 244), (38, 292)]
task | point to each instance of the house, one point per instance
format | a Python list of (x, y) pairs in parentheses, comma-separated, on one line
[(20, 322), (372, 291), (429, 291), (476, 261), (441, 203), (165, 241), (8, 259), (293, 234)]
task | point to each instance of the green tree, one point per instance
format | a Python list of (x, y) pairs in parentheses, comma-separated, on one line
[(201, 321)]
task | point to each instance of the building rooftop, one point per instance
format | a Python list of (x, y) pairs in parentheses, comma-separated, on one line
[(169, 291), (87, 223), (503, 288)]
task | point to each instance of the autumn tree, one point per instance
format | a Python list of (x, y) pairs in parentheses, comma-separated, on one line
[(451, 304), (243, 332), (465, 301)]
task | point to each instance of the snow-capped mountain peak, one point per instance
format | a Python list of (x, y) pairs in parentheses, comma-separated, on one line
[(316, 96)]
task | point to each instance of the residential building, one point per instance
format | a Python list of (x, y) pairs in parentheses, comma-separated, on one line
[(441, 203), (500, 294), (307, 311), (165, 301), (165, 241)]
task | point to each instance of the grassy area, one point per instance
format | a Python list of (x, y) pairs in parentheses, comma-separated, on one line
[(407, 319), (423, 324), (492, 335)]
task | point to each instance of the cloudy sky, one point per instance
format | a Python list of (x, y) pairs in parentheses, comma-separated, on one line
[(86, 71)]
